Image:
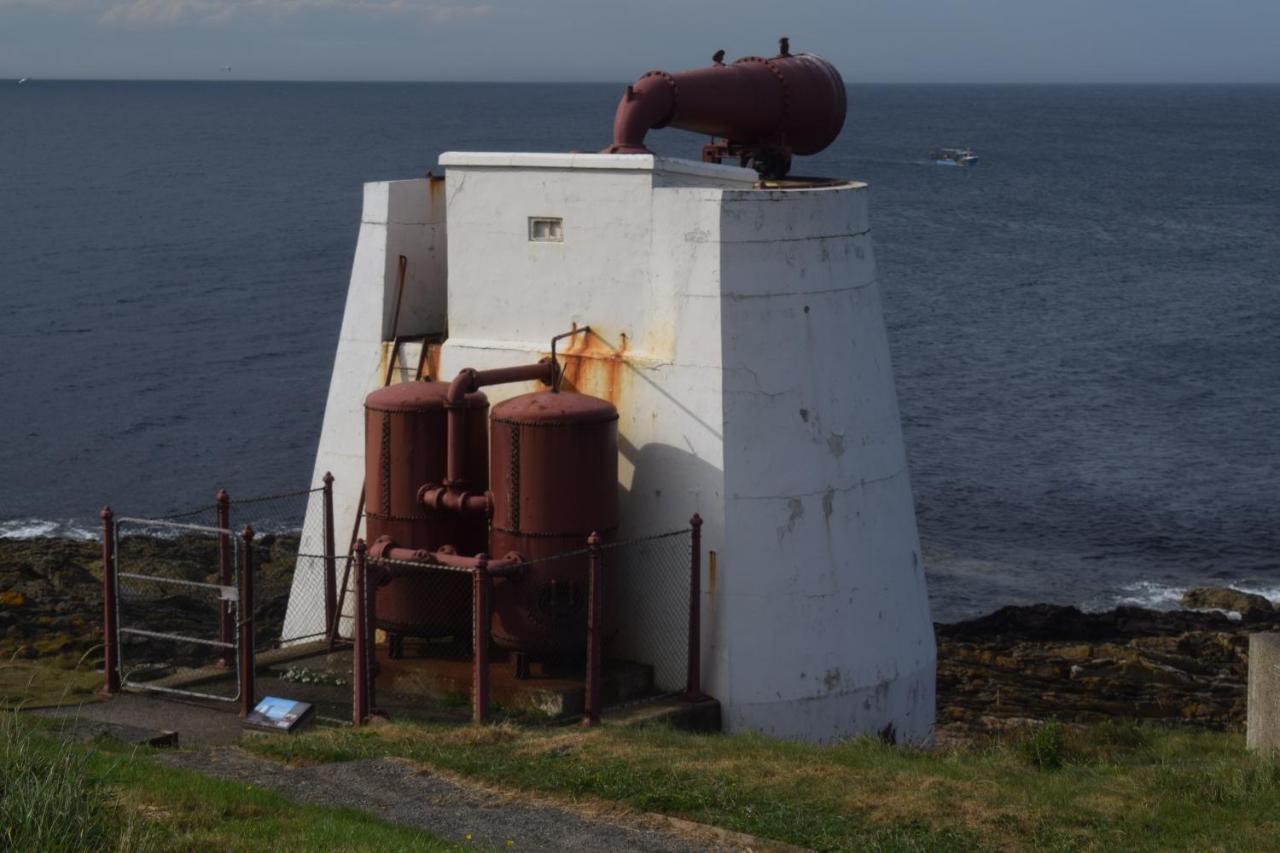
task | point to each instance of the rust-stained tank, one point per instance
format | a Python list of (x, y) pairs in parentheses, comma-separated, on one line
[(405, 446), (764, 109), (554, 464)]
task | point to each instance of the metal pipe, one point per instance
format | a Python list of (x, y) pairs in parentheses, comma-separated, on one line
[(480, 639), (226, 622), (360, 667), (693, 683), (110, 636), (244, 613), (373, 579), (595, 600), (559, 374), (453, 494), (385, 549), (330, 565), (759, 109)]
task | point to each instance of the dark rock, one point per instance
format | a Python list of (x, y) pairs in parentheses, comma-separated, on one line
[(1052, 662)]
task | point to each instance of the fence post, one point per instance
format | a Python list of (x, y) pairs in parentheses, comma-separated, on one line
[(594, 601), (226, 623), (360, 663), (244, 613), (693, 684), (480, 641), (110, 635), (330, 564), (373, 579)]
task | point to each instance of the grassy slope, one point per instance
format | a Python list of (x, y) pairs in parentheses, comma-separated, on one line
[(1118, 787), (60, 796), (182, 810), (24, 684)]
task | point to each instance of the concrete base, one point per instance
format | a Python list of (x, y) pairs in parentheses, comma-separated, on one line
[(702, 715), (446, 683), (1264, 692)]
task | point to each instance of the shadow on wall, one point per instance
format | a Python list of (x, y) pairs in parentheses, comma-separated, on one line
[(648, 591)]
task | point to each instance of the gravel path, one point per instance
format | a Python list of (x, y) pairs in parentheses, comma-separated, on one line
[(400, 792)]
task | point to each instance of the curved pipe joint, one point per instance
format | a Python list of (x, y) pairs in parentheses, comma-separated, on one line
[(648, 103), (761, 109), (452, 495)]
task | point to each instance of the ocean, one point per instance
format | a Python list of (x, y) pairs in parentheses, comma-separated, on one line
[(1085, 328)]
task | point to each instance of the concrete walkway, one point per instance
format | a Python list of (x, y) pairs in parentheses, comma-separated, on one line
[(130, 716)]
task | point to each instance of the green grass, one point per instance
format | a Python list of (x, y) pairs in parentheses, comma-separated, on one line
[(48, 799), (32, 685), (1108, 787), (60, 796)]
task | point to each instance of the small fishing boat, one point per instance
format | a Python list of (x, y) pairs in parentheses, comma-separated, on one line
[(953, 157), (23, 80)]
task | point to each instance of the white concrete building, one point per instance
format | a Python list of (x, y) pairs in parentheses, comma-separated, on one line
[(739, 332)]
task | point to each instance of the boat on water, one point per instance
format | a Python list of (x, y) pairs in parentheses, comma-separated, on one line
[(23, 80), (953, 157)]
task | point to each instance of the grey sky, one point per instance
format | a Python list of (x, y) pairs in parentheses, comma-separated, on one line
[(869, 40)]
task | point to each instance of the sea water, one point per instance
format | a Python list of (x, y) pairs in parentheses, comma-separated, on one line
[(1085, 327)]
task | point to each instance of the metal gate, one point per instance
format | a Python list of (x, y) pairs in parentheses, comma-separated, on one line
[(177, 606)]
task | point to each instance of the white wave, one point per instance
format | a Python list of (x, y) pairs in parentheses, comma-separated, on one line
[(36, 528), (1154, 595)]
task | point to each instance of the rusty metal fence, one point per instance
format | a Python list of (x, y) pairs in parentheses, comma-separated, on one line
[(192, 606), (206, 611), (630, 633)]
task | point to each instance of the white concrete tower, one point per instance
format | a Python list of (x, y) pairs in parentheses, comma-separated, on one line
[(739, 331)]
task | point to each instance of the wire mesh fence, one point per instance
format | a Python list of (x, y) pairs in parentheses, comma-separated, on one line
[(518, 636), (292, 652), (647, 605), (604, 625)]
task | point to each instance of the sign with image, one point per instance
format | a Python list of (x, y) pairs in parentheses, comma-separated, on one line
[(280, 715)]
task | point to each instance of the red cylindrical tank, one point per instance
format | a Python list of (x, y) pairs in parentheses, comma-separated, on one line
[(405, 448), (554, 458)]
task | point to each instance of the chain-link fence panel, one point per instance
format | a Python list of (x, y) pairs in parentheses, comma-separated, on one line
[(422, 615), (280, 523), (647, 606), (537, 629), (293, 655)]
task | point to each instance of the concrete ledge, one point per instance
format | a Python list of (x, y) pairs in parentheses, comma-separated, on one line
[(614, 162), (700, 716), (1264, 692)]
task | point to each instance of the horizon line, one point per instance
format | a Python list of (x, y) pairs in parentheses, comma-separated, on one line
[(526, 82)]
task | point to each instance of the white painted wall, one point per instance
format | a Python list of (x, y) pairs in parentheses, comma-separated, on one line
[(779, 426), (739, 332), (399, 218)]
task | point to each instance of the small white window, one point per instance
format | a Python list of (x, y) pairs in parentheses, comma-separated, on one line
[(546, 229)]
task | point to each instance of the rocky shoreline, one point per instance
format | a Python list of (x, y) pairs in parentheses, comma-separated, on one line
[(1184, 667), (1015, 665)]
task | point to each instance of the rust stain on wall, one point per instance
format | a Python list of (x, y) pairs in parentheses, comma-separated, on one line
[(435, 187), (431, 364), (595, 366)]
